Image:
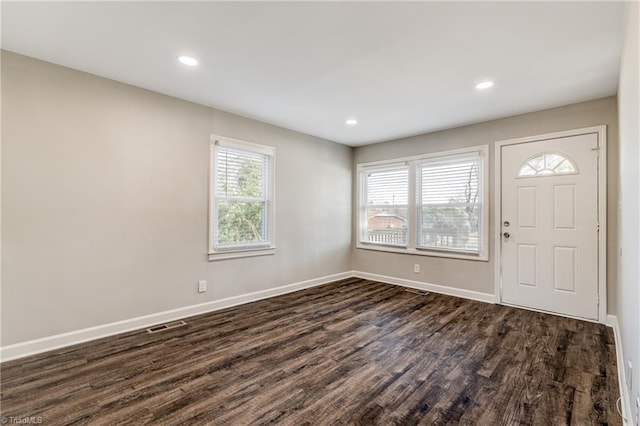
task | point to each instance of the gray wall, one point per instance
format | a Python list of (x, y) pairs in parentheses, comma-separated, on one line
[(478, 275), (104, 203), (628, 311)]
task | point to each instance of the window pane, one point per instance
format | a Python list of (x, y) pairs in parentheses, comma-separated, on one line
[(387, 226), (450, 227), (385, 206), (240, 174), (241, 222), (537, 162), (388, 187), (552, 160), (449, 211), (565, 167), (526, 170)]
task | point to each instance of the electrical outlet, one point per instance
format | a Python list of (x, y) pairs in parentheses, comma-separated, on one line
[(202, 286), (416, 268)]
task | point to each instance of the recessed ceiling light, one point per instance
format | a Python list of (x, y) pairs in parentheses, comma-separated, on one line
[(188, 60), (351, 122), (484, 85)]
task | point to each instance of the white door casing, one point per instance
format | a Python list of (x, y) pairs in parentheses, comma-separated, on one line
[(552, 257)]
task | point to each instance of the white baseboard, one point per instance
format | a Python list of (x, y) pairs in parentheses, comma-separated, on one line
[(32, 347), (612, 321), (435, 288)]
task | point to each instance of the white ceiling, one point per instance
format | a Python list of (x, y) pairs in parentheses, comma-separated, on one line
[(400, 68)]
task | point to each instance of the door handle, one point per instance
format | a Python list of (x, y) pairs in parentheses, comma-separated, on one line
[(506, 235)]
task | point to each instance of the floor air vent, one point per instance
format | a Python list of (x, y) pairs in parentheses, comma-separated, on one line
[(416, 291), (167, 326)]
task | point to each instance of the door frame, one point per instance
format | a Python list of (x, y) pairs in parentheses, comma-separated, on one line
[(601, 132)]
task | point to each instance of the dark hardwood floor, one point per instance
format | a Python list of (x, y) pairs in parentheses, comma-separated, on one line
[(350, 352)]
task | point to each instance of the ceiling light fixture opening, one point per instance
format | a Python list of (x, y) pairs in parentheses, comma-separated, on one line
[(188, 60), (351, 122), (484, 85)]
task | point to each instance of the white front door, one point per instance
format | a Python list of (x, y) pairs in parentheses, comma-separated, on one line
[(549, 224)]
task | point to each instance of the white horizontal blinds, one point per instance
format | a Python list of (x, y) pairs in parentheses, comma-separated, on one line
[(241, 195), (385, 205), (450, 203)]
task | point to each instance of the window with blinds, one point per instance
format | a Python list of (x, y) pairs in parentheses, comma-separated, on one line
[(431, 205), (385, 205), (449, 203), (242, 196)]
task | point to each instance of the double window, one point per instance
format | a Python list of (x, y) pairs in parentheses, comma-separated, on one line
[(241, 201), (433, 204)]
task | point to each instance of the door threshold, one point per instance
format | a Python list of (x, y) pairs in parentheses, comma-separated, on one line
[(542, 311)]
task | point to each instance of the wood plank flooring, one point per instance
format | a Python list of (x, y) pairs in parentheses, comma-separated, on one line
[(350, 352)]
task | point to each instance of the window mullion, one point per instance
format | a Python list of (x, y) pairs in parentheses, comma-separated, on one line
[(241, 199), (362, 204), (412, 214)]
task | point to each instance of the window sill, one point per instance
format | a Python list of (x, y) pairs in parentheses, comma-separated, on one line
[(224, 255), (423, 252)]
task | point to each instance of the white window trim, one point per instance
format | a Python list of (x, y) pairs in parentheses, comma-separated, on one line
[(412, 219), (231, 252)]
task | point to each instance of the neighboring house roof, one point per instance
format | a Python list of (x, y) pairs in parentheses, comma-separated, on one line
[(388, 215)]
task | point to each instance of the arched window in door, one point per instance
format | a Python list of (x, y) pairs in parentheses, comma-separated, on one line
[(547, 164)]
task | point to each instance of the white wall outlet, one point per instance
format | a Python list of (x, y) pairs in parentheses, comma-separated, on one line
[(202, 286), (416, 268)]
